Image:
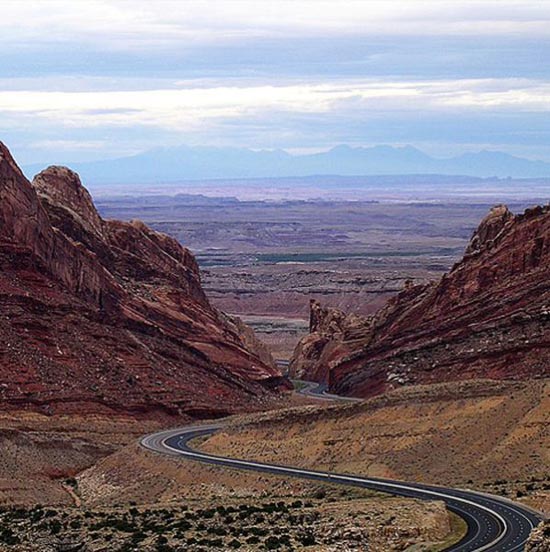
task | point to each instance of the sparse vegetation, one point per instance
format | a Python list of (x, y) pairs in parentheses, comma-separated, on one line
[(278, 524), (262, 526)]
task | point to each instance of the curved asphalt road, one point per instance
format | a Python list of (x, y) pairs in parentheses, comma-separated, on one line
[(494, 524), (316, 390)]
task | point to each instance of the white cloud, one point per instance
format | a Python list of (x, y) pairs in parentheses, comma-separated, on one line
[(69, 145), (131, 24), (186, 108)]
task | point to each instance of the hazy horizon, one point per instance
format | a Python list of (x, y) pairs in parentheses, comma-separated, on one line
[(179, 164)]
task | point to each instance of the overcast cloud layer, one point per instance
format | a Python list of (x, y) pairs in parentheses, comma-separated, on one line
[(83, 80)]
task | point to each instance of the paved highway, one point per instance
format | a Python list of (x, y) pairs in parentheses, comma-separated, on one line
[(318, 391), (494, 524)]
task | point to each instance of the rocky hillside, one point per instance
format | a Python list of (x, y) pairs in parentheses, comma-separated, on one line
[(540, 539), (489, 317), (102, 315)]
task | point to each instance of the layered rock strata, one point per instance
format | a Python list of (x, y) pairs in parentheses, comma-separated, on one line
[(489, 317), (103, 315)]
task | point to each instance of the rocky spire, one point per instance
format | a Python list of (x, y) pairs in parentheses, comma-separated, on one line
[(489, 229)]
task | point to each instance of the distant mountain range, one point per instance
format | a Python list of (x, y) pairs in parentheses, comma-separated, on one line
[(164, 165)]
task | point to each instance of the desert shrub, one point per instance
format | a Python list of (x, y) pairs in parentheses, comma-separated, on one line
[(117, 524), (272, 543), (284, 539), (217, 530), (72, 482), (258, 531), (211, 543), (162, 545), (7, 536), (307, 539), (19, 513), (182, 525), (55, 527)]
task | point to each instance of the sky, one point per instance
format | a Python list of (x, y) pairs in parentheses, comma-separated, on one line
[(92, 79)]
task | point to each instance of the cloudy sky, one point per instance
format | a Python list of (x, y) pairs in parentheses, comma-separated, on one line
[(94, 79)]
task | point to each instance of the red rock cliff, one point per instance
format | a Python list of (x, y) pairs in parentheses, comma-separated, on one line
[(488, 318), (102, 315)]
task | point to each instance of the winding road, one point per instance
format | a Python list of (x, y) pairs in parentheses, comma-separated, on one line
[(495, 524), (318, 391)]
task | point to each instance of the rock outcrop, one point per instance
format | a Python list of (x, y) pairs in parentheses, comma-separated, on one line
[(539, 541), (330, 332), (488, 318), (100, 315)]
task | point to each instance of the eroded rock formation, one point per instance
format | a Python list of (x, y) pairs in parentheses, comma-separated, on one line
[(488, 318), (101, 315), (330, 331)]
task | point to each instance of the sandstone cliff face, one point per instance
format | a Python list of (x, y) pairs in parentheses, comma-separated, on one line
[(106, 315), (488, 318)]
